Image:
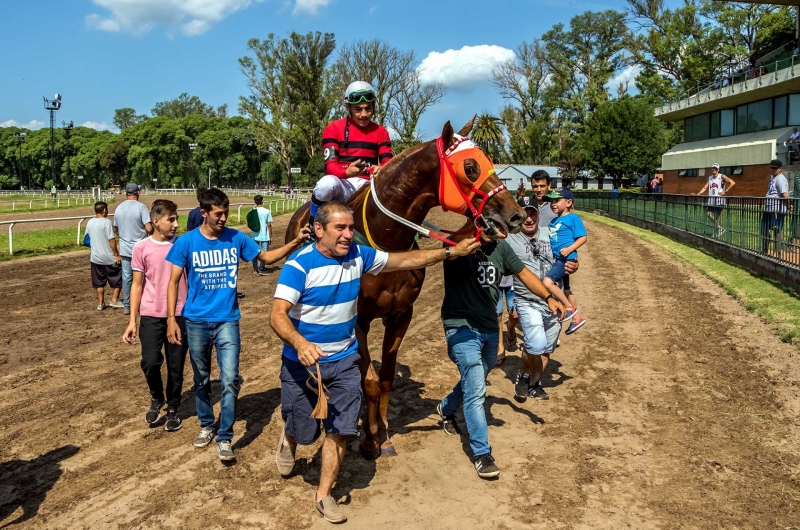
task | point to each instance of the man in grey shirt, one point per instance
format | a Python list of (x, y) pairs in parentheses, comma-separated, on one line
[(104, 259), (132, 223), (540, 327), (776, 205)]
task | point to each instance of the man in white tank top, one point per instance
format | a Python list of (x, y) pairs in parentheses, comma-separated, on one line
[(717, 186)]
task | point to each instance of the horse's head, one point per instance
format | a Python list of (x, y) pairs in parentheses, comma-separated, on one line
[(469, 185)]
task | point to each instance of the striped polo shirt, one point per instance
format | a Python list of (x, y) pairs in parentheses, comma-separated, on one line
[(324, 294)]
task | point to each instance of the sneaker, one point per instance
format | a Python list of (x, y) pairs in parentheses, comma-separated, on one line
[(328, 509), (263, 273), (205, 437), (240, 295), (173, 421), (116, 304), (575, 326), (486, 467), (284, 456), (537, 392), (521, 383), (569, 314), (101, 307), (448, 422), (126, 311), (155, 410), (255, 272), (225, 451)]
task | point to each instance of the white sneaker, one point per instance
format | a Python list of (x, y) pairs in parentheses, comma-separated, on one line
[(205, 437), (116, 304), (225, 451), (101, 307)]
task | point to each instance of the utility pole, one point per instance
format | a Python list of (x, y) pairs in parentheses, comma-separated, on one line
[(67, 130), (53, 105)]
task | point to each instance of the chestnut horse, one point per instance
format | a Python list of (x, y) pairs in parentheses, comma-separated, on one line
[(408, 186)]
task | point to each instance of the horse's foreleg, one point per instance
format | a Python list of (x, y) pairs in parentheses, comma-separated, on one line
[(394, 332), (372, 392)]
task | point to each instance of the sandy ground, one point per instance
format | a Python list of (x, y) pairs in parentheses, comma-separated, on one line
[(672, 408)]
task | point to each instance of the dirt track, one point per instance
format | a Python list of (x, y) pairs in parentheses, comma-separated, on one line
[(672, 408)]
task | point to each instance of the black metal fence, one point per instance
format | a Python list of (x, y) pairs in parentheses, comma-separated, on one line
[(763, 226)]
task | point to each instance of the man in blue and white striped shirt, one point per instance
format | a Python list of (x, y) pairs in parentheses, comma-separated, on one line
[(314, 313)]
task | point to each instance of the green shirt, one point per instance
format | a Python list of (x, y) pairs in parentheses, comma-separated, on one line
[(471, 286)]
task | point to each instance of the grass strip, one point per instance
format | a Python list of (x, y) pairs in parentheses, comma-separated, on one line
[(774, 302)]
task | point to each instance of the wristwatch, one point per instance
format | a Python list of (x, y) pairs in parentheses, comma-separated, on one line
[(549, 296), (446, 252)]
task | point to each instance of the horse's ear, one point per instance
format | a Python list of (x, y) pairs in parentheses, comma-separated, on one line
[(466, 129), (447, 135)]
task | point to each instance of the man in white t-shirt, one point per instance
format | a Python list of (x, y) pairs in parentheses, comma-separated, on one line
[(104, 259), (132, 223)]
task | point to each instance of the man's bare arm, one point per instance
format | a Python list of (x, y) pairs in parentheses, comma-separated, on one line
[(416, 259), (173, 331), (280, 323)]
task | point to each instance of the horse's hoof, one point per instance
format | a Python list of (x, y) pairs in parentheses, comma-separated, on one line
[(369, 454), (388, 451)]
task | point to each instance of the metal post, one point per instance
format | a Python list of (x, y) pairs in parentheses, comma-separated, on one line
[(78, 240), (10, 239)]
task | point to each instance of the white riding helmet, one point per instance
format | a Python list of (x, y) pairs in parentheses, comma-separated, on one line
[(357, 92)]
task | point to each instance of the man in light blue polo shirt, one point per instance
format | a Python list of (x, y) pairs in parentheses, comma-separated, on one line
[(263, 236)]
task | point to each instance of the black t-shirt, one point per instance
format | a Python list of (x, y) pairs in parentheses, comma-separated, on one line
[(471, 286)]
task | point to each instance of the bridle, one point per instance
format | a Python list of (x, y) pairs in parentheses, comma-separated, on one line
[(456, 190)]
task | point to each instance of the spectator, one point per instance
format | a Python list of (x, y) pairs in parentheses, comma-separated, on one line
[(776, 206), (660, 186), (195, 217), (793, 138), (132, 223), (53, 192), (264, 235), (104, 259), (521, 192), (717, 186), (653, 185)]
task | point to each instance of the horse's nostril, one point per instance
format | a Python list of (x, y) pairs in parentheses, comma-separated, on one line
[(515, 220)]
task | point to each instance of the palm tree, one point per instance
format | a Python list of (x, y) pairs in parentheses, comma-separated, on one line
[(487, 134)]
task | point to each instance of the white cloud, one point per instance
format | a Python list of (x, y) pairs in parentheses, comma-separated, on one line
[(191, 17), (626, 76), (373, 9), (461, 69), (102, 126), (32, 125), (310, 6)]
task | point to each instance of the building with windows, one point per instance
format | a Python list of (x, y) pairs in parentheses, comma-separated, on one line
[(741, 121), (509, 174)]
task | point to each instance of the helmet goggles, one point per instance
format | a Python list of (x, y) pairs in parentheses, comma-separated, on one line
[(360, 96)]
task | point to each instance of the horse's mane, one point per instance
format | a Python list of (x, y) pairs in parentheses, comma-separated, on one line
[(357, 199)]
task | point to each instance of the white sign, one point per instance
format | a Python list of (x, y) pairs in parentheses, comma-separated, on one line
[(294, 170), (155, 180), (80, 177)]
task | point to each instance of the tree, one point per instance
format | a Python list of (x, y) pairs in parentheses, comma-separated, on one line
[(488, 135), (185, 105), (126, 118), (114, 160), (623, 140), (408, 107)]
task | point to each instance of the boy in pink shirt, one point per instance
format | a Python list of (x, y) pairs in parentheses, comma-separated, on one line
[(151, 274)]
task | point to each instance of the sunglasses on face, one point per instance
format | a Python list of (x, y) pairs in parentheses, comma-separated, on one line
[(361, 97)]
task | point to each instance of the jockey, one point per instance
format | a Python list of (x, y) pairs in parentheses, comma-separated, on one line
[(351, 145)]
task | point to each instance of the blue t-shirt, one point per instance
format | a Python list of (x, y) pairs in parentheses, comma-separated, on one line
[(212, 269), (564, 231), (195, 219), (323, 292)]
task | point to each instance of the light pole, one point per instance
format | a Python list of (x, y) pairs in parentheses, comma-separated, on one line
[(192, 147), (52, 105), (21, 140), (67, 130)]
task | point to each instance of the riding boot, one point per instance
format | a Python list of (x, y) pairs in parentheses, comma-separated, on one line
[(312, 212)]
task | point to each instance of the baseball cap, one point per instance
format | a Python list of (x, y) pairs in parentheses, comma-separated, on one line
[(714, 166), (775, 164), (526, 202), (132, 188), (559, 193)]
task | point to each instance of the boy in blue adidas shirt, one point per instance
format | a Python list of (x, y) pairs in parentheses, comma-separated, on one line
[(210, 256), (567, 235)]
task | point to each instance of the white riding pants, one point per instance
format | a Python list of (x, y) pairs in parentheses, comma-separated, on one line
[(332, 188)]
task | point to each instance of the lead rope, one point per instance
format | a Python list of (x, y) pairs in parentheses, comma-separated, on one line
[(320, 411)]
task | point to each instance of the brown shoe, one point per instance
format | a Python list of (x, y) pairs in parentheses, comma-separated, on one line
[(284, 457), (328, 509)]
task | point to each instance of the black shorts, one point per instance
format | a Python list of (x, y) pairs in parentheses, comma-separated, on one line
[(343, 379), (102, 274)]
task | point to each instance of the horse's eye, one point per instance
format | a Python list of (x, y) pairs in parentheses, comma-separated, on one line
[(472, 169)]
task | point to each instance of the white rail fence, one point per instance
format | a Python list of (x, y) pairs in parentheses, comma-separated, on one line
[(69, 201), (277, 207)]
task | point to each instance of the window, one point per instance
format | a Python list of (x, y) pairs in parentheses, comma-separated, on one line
[(741, 119), (687, 172), (715, 125), (700, 127), (759, 115), (780, 113), (737, 170), (794, 109), (731, 170), (725, 170), (726, 123), (687, 130)]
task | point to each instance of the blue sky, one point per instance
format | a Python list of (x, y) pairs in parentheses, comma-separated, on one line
[(106, 54)]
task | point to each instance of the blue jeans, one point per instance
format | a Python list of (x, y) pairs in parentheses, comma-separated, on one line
[(259, 266), (202, 336), (474, 353), (127, 280)]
